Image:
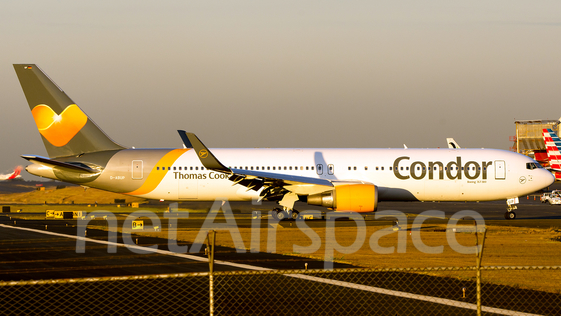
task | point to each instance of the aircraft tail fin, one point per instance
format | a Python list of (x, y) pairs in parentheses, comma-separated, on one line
[(64, 128), (452, 143), (17, 172), (552, 145)]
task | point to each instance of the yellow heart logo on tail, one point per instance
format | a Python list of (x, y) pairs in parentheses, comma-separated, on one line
[(59, 129)]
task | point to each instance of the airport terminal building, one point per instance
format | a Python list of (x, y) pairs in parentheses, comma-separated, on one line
[(529, 139)]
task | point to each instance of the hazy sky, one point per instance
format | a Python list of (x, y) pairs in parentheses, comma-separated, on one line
[(286, 73)]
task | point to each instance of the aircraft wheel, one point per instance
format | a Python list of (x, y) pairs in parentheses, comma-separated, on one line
[(510, 215), (275, 213), (279, 214), (294, 214)]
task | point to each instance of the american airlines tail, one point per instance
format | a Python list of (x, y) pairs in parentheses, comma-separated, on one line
[(65, 129), (338, 179), (552, 146)]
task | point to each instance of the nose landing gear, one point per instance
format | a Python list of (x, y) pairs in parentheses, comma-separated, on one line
[(510, 215), (510, 207)]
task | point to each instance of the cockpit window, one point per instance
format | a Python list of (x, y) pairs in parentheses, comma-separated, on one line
[(533, 165)]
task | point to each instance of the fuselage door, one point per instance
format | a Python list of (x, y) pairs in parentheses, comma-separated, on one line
[(137, 170), (500, 170)]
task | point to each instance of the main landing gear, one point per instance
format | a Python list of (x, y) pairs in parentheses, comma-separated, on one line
[(280, 214)]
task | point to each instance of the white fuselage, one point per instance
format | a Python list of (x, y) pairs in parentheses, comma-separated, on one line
[(399, 174)]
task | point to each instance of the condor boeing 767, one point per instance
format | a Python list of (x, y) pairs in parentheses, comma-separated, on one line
[(341, 179)]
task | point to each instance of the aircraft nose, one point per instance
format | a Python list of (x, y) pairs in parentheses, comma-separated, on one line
[(547, 179)]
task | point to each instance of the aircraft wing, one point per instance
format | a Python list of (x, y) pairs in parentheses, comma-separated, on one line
[(275, 183), (288, 179)]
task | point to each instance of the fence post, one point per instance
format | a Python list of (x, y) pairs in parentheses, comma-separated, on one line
[(210, 242), (479, 255)]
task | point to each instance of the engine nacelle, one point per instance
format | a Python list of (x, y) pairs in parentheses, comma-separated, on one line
[(360, 198)]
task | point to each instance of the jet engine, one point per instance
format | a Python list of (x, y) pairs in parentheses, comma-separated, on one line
[(360, 198)]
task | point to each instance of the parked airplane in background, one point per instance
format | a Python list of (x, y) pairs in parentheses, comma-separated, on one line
[(452, 143), (13, 175), (553, 148), (342, 179)]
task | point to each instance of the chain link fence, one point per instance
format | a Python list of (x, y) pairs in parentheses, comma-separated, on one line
[(433, 291)]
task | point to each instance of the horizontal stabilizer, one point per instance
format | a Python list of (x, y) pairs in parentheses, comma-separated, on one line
[(77, 167)]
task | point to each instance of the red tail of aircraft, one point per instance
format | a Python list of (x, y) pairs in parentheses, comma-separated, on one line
[(15, 174)]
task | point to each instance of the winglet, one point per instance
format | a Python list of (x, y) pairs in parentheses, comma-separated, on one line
[(185, 139), (208, 160)]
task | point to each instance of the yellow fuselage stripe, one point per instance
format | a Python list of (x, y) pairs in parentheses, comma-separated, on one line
[(156, 177)]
